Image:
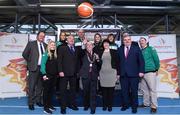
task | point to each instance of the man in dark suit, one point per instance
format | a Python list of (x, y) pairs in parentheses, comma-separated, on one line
[(32, 54), (131, 68), (67, 66), (80, 43)]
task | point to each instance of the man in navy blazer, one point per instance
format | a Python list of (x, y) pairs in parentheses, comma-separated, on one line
[(131, 68)]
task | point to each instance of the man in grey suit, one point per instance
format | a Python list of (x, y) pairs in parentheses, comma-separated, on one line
[(32, 54)]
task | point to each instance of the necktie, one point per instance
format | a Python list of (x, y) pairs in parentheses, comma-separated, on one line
[(72, 49), (127, 51), (41, 47)]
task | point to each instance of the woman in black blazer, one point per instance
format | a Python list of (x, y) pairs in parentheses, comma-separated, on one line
[(109, 74), (89, 76)]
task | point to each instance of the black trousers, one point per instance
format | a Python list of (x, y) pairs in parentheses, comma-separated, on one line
[(77, 84), (89, 93), (34, 82), (49, 86), (57, 85), (129, 88), (99, 90), (67, 98), (108, 96)]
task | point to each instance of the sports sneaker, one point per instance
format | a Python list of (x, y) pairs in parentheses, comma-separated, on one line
[(47, 111), (52, 109)]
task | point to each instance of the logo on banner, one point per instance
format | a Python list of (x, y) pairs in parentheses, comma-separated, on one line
[(16, 68), (13, 40), (162, 41)]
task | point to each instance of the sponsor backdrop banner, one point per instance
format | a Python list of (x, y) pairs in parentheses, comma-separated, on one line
[(167, 79), (12, 65)]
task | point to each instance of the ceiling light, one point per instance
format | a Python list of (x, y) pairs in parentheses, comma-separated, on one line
[(58, 5)]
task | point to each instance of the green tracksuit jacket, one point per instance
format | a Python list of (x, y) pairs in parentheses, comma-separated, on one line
[(151, 59)]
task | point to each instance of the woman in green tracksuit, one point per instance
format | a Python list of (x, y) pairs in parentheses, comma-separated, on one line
[(148, 82), (50, 72)]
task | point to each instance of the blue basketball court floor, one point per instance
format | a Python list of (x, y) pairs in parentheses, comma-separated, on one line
[(19, 106)]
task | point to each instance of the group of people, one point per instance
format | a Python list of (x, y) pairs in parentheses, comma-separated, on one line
[(97, 64)]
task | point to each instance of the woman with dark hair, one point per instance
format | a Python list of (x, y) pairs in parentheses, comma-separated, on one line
[(109, 74), (97, 48), (61, 42), (49, 71), (62, 39), (112, 44), (97, 41)]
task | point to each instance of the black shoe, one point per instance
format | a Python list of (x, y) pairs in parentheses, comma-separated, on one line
[(153, 110), (143, 106), (123, 108), (52, 109), (104, 108), (109, 109), (31, 107), (47, 111), (134, 111), (86, 108), (39, 104), (92, 112), (63, 111), (73, 107)]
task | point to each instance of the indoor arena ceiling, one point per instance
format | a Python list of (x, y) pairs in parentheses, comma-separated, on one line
[(142, 13)]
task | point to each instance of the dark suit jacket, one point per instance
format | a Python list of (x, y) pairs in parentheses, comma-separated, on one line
[(98, 48), (84, 71), (68, 62), (31, 55), (80, 54), (133, 64)]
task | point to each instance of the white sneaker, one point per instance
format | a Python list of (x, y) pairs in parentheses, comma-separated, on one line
[(47, 111), (52, 109)]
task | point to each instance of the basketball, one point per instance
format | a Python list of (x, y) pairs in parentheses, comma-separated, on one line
[(85, 10)]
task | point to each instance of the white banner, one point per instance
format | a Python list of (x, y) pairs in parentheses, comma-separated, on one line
[(47, 38), (167, 80), (168, 73), (89, 33), (12, 65)]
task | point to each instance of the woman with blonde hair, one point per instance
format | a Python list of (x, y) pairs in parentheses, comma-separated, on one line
[(49, 71)]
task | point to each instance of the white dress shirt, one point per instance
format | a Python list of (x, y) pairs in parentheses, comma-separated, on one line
[(39, 50)]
